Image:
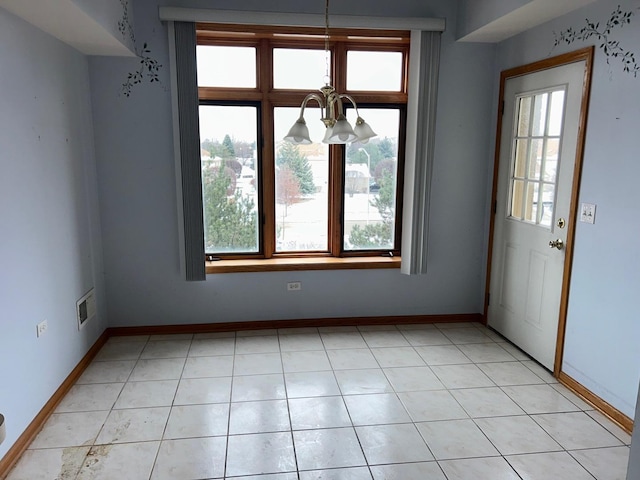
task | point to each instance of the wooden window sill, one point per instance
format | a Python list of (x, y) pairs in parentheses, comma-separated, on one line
[(298, 264)]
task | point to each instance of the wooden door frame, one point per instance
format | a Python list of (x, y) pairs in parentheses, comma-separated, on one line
[(585, 54)]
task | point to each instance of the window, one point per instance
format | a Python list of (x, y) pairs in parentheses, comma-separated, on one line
[(267, 198), (535, 157)]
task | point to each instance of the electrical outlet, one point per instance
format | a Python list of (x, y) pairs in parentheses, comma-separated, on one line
[(294, 286), (41, 328), (588, 213)]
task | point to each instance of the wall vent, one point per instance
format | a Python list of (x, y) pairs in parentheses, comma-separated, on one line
[(86, 308)]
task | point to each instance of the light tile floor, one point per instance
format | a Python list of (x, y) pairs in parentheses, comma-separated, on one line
[(440, 402)]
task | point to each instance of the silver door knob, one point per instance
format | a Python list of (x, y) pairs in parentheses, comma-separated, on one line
[(559, 244)]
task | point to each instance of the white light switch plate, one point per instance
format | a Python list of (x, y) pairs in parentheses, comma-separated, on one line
[(588, 213)]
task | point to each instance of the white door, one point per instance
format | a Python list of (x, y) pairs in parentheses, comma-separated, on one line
[(537, 156)]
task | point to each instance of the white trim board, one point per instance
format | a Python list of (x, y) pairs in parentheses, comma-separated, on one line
[(179, 14)]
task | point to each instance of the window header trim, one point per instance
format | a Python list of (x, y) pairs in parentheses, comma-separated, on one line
[(300, 19)]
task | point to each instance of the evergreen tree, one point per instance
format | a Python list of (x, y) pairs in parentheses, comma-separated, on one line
[(215, 148), (231, 222), (386, 167), (228, 150), (210, 146), (387, 148), (289, 155), (378, 235)]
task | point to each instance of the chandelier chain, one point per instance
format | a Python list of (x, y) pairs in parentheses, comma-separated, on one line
[(337, 127), (326, 26), (326, 43)]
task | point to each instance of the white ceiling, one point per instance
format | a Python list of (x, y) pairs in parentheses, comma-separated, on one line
[(520, 19), (492, 21), (66, 21)]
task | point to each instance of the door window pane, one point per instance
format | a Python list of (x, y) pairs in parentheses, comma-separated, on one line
[(531, 202), (370, 183), (300, 68), (229, 178), (548, 199), (557, 112), (520, 158), (535, 159), (302, 185), (374, 71), (551, 159), (221, 66), (524, 116), (517, 190), (540, 114)]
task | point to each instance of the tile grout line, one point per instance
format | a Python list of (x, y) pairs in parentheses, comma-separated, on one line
[(166, 423), (226, 447), (344, 403), (370, 350), (286, 399)]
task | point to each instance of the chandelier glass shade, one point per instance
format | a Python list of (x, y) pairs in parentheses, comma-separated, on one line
[(338, 129)]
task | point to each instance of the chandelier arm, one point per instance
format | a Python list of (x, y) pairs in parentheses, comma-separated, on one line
[(353, 102), (317, 98), (336, 99)]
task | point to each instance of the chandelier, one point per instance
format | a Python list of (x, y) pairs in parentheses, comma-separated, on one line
[(338, 129)]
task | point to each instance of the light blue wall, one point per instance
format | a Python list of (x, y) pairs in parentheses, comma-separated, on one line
[(603, 331), (138, 200), (50, 247)]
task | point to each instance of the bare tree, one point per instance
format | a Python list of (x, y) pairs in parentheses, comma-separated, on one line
[(287, 187)]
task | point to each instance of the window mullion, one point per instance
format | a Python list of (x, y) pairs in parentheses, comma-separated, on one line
[(265, 83), (336, 199), (339, 72), (336, 158)]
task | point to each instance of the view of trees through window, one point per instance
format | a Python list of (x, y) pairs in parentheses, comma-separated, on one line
[(290, 198), (370, 209), (229, 187)]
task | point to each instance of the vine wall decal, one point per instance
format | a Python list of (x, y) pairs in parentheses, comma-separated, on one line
[(149, 66), (124, 24), (611, 48)]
